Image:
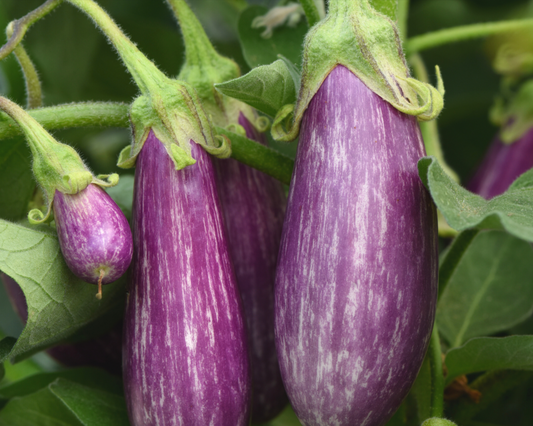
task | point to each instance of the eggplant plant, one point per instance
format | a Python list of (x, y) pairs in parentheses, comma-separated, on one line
[(379, 291)]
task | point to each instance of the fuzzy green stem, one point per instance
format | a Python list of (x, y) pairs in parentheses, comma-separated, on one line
[(239, 5), (72, 115), (311, 12), (20, 26), (34, 94), (403, 13), (437, 378), (492, 385), (146, 75), (466, 32)]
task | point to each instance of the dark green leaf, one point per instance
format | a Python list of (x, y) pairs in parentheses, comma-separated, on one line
[(490, 290), (59, 304), (387, 7), (512, 211), (286, 418), (16, 177), (6, 344), (41, 408), (122, 194), (93, 407), (266, 88), (422, 390), (490, 353), (92, 377), (285, 40)]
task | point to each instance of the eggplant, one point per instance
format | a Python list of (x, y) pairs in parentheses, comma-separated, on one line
[(253, 205), (185, 348), (502, 164), (356, 282), (104, 351), (94, 235)]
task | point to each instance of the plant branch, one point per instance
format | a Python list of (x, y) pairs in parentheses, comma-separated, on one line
[(437, 377), (34, 94), (466, 32), (20, 26), (311, 12), (403, 13)]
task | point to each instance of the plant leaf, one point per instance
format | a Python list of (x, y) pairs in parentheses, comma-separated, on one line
[(6, 344), (122, 194), (386, 7), (93, 407), (59, 303), (285, 40), (512, 211), (16, 177), (266, 88), (490, 353), (490, 290)]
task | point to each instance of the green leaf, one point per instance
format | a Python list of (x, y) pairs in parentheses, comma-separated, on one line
[(59, 303), (93, 407), (490, 290), (286, 418), (41, 408), (88, 376), (490, 353), (512, 211), (386, 7), (266, 88), (6, 344), (122, 194), (16, 177), (285, 40)]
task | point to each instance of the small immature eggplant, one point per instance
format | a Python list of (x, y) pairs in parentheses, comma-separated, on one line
[(94, 235), (356, 282), (185, 347), (502, 164), (254, 207)]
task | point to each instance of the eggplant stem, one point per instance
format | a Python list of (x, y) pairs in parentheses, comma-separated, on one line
[(99, 294)]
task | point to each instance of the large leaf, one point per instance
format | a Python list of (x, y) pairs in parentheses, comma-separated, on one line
[(266, 88), (490, 353), (59, 303), (16, 178), (285, 40), (93, 407), (512, 211), (490, 290), (387, 7)]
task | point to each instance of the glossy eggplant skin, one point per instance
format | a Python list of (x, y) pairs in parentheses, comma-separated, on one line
[(356, 283), (104, 351), (502, 164), (93, 234), (185, 348), (254, 207)]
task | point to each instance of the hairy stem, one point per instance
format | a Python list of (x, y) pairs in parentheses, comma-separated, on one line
[(403, 12), (466, 32), (311, 12), (20, 26), (34, 94)]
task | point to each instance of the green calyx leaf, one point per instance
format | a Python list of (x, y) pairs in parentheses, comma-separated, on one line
[(56, 166), (367, 43), (436, 421), (516, 115)]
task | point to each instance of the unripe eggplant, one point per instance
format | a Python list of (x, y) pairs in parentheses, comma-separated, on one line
[(502, 164), (185, 349), (94, 235), (356, 283), (104, 351), (254, 206)]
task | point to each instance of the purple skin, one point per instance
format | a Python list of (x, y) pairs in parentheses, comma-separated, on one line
[(356, 284), (254, 207), (502, 165), (94, 234), (104, 351), (185, 347)]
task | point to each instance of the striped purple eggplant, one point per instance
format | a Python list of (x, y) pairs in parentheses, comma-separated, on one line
[(502, 164), (104, 351), (254, 207), (94, 235), (185, 348), (356, 283)]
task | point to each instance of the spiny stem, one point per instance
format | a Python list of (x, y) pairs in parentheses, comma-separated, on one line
[(34, 94), (311, 12), (146, 75), (102, 275), (466, 32), (20, 26), (437, 378)]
